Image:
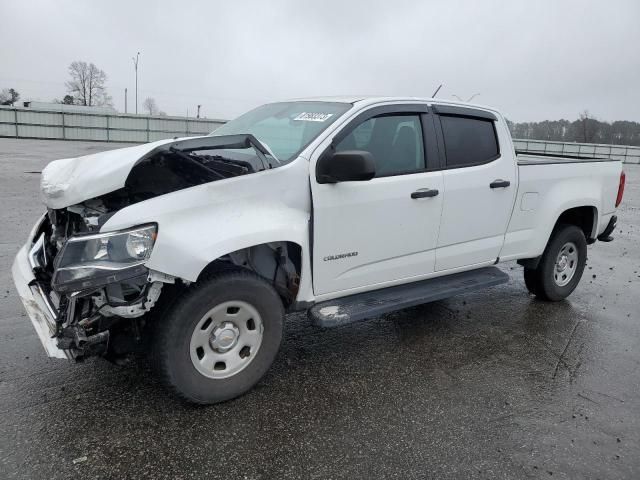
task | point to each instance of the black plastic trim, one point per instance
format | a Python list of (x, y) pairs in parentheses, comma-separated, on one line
[(428, 133), (433, 162), (500, 183), (463, 112), (443, 151), (90, 283), (362, 306), (531, 263), (440, 141), (606, 235), (425, 193), (416, 109), (561, 158)]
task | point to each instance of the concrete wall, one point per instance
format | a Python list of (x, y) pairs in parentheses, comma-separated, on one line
[(627, 154), (19, 122)]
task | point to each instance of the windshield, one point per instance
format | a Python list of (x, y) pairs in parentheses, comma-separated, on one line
[(287, 127)]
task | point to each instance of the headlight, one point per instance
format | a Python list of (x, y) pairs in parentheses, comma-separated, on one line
[(87, 261)]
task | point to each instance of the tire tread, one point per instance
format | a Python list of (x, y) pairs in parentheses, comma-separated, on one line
[(161, 336), (538, 280)]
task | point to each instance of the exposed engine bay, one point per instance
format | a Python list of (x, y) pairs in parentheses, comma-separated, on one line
[(98, 282)]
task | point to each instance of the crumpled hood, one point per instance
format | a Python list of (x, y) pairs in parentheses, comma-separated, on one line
[(73, 180)]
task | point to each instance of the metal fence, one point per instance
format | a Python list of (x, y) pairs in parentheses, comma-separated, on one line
[(627, 154), (19, 122), (46, 124)]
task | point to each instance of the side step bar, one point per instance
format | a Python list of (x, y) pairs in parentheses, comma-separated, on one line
[(361, 306)]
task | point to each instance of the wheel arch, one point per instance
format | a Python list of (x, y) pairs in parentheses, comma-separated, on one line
[(584, 217), (278, 262)]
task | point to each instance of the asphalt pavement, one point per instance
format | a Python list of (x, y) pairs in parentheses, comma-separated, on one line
[(494, 384)]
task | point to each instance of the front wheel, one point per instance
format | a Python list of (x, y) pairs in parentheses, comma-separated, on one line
[(221, 338), (561, 265)]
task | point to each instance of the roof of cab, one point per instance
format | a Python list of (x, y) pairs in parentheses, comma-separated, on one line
[(373, 99)]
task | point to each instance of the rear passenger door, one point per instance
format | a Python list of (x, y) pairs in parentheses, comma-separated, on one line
[(480, 187)]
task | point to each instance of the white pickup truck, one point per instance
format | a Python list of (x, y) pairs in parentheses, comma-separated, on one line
[(195, 249)]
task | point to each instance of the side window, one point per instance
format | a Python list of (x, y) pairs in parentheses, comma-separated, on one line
[(468, 141), (395, 141)]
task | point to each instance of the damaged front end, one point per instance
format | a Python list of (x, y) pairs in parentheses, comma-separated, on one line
[(89, 292), (92, 289)]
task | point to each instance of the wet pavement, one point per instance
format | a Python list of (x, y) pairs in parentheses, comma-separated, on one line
[(488, 385)]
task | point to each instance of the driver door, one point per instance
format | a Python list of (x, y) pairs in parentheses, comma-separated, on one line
[(384, 230)]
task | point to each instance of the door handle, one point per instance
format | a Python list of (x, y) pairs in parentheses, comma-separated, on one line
[(424, 193), (499, 183)]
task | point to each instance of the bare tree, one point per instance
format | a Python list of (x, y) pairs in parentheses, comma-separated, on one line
[(9, 96), (87, 84), (150, 106), (587, 127)]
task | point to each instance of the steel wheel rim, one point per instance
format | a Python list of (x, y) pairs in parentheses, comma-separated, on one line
[(566, 264), (226, 339)]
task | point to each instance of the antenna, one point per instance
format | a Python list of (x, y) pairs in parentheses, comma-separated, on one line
[(436, 92)]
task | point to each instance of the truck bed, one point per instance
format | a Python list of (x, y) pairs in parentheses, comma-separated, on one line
[(549, 184), (525, 157)]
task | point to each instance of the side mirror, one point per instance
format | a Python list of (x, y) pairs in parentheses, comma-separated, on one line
[(346, 166)]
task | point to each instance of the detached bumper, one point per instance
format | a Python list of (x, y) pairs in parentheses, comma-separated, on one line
[(39, 307)]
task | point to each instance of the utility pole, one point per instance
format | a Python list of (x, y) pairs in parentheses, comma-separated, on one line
[(125, 100), (135, 66), (198, 116)]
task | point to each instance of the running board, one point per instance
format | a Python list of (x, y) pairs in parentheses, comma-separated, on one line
[(361, 306)]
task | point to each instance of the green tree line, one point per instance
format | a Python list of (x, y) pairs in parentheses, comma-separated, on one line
[(583, 130)]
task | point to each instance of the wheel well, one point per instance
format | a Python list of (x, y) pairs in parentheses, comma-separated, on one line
[(280, 263), (582, 217)]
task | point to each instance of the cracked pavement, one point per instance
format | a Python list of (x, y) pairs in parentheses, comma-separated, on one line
[(493, 384)]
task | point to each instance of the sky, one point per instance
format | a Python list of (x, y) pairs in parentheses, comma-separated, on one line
[(534, 60)]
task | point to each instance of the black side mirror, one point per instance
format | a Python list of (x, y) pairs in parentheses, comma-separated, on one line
[(346, 166)]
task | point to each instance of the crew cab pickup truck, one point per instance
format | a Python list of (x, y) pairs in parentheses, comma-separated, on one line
[(194, 249)]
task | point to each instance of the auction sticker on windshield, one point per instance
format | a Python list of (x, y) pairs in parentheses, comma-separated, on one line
[(313, 117)]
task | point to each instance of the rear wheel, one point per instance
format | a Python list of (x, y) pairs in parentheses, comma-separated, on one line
[(561, 265), (220, 338)]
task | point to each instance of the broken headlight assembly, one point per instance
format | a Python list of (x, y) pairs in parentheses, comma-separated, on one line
[(94, 260)]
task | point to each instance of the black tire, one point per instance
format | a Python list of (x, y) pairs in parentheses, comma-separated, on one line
[(542, 280), (172, 354), (531, 280)]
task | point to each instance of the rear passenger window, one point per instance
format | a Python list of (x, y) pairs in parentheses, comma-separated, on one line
[(468, 141), (395, 141)]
